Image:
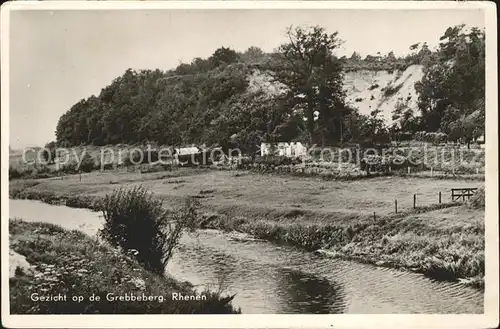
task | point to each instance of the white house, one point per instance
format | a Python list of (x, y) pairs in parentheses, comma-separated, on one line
[(186, 150), (292, 149)]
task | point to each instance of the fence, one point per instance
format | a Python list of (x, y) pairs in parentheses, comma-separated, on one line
[(457, 194), (462, 193)]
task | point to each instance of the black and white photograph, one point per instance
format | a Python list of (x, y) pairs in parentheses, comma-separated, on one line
[(247, 159)]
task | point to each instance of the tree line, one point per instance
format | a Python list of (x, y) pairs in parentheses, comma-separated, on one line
[(208, 101)]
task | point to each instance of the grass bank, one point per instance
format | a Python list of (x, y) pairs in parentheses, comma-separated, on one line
[(70, 263), (450, 248)]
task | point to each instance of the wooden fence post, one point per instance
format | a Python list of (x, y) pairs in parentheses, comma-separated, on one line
[(396, 206), (374, 217), (440, 197), (414, 201), (432, 171), (409, 170), (80, 174)]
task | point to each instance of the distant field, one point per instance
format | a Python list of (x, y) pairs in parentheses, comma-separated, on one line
[(240, 191)]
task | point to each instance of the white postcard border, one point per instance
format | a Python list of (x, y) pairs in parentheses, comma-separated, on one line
[(491, 305)]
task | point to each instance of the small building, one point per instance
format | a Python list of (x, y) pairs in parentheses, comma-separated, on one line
[(186, 150), (292, 149)]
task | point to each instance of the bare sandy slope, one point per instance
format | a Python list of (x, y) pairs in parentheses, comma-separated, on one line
[(364, 88)]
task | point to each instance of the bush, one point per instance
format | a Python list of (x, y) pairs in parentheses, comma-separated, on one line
[(87, 164), (384, 163), (50, 157), (69, 168), (137, 223), (391, 90), (15, 173), (435, 138), (276, 160), (477, 200)]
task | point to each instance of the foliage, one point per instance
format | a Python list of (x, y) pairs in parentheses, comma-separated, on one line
[(49, 154), (391, 90), (87, 164), (367, 130), (223, 56), (313, 77), (477, 201), (452, 90), (135, 221), (435, 138)]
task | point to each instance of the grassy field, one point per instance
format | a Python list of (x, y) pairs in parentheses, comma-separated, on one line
[(443, 241), (240, 190), (69, 263)]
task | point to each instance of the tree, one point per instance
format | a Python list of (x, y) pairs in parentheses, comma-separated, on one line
[(391, 57), (223, 56), (453, 86), (313, 76), (49, 154), (252, 54), (404, 120), (467, 128), (355, 57), (373, 131)]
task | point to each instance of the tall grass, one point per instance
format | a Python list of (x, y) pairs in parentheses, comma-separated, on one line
[(137, 222), (477, 201)]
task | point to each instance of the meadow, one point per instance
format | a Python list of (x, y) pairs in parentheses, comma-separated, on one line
[(236, 191)]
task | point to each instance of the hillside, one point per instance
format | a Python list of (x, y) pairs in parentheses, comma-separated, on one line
[(367, 90), (298, 93)]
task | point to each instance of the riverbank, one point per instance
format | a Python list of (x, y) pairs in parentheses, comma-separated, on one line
[(62, 265), (443, 241), (452, 250)]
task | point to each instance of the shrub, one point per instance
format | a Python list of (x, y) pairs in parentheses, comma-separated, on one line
[(134, 158), (137, 223), (477, 200), (150, 156), (15, 172), (69, 168), (276, 160), (435, 138), (375, 86), (391, 90), (49, 154), (384, 163), (87, 164)]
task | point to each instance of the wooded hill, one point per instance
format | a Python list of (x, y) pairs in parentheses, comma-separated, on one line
[(215, 101)]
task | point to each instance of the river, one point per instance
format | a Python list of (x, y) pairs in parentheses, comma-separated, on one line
[(273, 279)]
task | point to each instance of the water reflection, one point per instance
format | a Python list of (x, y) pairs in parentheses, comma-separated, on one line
[(302, 293)]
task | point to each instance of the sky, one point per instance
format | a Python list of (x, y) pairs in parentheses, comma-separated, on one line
[(59, 57)]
